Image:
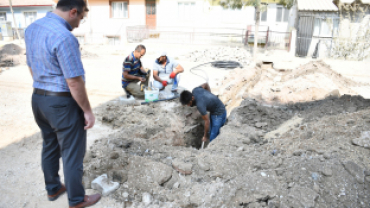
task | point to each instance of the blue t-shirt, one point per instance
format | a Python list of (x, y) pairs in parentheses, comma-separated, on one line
[(206, 101)]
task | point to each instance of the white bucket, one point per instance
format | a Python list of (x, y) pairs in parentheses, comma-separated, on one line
[(151, 95)]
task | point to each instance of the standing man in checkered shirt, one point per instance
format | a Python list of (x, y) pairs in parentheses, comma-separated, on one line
[(59, 102)]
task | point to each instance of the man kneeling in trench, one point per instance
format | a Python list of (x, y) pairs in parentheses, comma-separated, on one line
[(206, 101)]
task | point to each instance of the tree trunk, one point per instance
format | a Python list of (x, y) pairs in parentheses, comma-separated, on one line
[(15, 22), (256, 31), (89, 17)]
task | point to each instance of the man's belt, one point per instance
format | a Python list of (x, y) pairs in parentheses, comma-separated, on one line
[(49, 93)]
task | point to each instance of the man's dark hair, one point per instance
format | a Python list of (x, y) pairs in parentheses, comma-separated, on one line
[(139, 48), (67, 5), (185, 97)]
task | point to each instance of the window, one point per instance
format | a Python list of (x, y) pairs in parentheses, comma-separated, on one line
[(29, 17), (264, 16), (150, 8), (119, 9), (2, 16), (325, 27), (186, 10), (282, 14), (114, 40)]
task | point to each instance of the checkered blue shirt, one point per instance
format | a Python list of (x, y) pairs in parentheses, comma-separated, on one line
[(53, 53)]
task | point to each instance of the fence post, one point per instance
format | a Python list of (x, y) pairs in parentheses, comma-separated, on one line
[(293, 39), (267, 37), (246, 42), (290, 40)]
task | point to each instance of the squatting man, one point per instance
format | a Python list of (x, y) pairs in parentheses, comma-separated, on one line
[(166, 71), (206, 101), (134, 72)]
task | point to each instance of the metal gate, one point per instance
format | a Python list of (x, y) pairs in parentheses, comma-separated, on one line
[(304, 35)]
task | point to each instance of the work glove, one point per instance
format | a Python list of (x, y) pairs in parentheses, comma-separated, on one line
[(172, 75), (164, 83)]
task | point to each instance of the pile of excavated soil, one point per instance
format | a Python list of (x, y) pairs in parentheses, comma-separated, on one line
[(309, 154), (310, 82), (12, 55), (87, 54)]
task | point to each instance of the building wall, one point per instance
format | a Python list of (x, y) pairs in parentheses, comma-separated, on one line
[(205, 15), (100, 24), (19, 15)]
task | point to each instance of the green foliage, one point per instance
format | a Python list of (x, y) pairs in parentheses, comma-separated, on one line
[(238, 4)]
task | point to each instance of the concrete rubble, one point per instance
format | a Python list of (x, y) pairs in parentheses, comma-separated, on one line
[(103, 185), (11, 55), (269, 154)]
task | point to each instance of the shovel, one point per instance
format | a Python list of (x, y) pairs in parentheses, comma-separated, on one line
[(202, 145)]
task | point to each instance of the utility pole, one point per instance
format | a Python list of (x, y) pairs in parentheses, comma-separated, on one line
[(15, 22), (90, 17)]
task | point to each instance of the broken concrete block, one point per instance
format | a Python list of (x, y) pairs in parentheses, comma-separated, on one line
[(176, 185), (355, 170), (104, 186), (302, 197), (182, 167), (146, 174), (147, 198), (363, 141), (259, 125), (327, 172), (114, 155), (246, 141), (203, 165)]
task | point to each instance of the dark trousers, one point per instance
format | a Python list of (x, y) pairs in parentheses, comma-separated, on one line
[(61, 122)]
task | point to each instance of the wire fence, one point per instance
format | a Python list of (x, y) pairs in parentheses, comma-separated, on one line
[(186, 35), (269, 39)]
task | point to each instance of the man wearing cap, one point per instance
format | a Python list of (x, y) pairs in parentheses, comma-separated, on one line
[(166, 71), (133, 72)]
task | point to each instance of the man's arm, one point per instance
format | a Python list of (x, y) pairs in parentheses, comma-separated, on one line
[(78, 91), (132, 77), (156, 77), (31, 71), (206, 127), (178, 69), (206, 87), (143, 70)]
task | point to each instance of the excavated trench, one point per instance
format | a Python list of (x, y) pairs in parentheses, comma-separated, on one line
[(300, 155), (312, 153)]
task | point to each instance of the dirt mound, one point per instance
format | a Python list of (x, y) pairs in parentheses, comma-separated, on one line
[(305, 155), (87, 54), (12, 55), (310, 82)]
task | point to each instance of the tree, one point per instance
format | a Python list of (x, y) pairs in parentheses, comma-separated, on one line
[(259, 6), (15, 23)]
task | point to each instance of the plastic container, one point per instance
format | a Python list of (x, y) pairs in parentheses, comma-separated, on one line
[(151, 95)]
